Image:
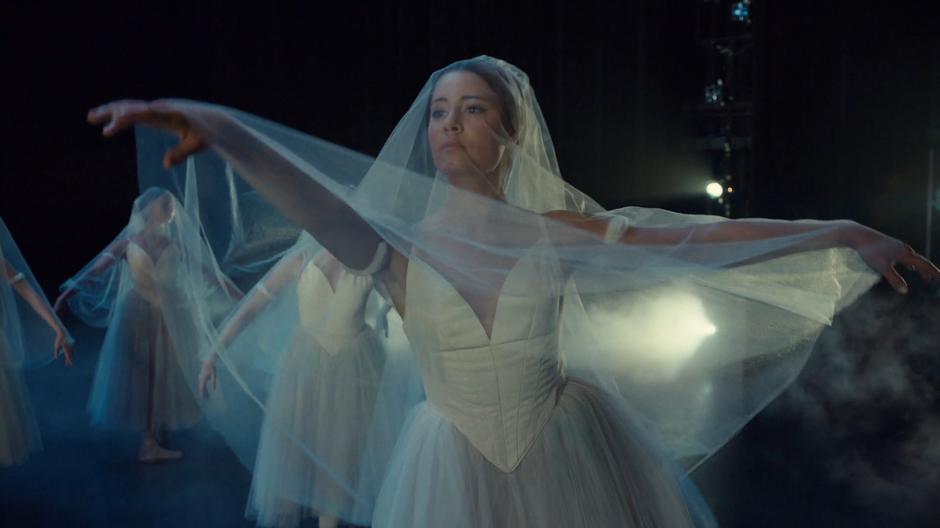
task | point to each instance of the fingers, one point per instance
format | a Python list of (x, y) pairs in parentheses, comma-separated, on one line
[(917, 263), (120, 115), (895, 280), (925, 268), (190, 144), (64, 346), (206, 379), (117, 115)]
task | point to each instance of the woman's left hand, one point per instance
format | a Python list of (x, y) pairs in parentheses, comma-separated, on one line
[(884, 254)]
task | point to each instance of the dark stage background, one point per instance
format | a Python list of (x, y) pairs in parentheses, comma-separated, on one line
[(844, 94)]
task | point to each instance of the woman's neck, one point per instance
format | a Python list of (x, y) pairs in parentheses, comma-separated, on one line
[(469, 196)]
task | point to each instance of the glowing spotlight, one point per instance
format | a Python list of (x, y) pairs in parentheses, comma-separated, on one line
[(715, 189), (741, 12), (652, 335), (714, 93)]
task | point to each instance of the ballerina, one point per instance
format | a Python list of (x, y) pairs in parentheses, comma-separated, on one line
[(25, 323), (323, 389), (512, 286), (139, 282)]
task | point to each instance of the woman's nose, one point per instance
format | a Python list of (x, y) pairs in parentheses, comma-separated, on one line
[(452, 123)]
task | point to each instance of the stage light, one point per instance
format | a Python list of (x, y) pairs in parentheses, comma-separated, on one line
[(714, 189), (741, 12), (651, 335), (714, 93)]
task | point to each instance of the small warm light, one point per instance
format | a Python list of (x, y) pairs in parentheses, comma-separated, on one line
[(714, 189), (730, 189)]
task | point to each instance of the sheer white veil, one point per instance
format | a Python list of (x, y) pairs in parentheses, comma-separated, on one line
[(692, 338), (176, 272), (25, 338)]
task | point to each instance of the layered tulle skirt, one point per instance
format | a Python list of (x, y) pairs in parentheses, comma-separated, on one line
[(591, 466), (314, 429), (19, 434), (139, 381)]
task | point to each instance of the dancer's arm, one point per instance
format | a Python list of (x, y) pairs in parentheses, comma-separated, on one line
[(273, 174), (881, 252), (63, 341), (109, 257), (252, 305)]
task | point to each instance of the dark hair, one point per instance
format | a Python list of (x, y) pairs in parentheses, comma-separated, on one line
[(498, 81)]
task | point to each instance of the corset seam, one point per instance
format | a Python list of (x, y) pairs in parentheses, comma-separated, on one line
[(499, 393), (541, 428)]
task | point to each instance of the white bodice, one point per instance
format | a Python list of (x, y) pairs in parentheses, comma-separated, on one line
[(499, 390), (147, 274), (332, 313)]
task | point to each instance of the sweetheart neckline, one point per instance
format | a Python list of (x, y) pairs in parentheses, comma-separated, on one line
[(153, 262), (463, 301)]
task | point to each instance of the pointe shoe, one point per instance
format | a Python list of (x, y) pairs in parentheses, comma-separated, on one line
[(327, 522), (154, 453)]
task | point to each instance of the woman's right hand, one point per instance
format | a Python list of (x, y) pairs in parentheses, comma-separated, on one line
[(118, 115), (64, 344), (207, 378)]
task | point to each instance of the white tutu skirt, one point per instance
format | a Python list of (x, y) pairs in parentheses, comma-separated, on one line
[(319, 408), (589, 467), (19, 434), (139, 381)]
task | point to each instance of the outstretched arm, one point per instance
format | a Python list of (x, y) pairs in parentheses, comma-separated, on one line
[(108, 258), (275, 175), (262, 294), (881, 252), (63, 341)]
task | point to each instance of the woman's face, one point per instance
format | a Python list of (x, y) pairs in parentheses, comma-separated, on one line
[(161, 211), (465, 128)]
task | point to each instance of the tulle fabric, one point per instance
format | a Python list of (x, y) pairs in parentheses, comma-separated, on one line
[(29, 339), (321, 397), (139, 381), (26, 341), (590, 466), (19, 433), (158, 290), (298, 385), (682, 341), (323, 401)]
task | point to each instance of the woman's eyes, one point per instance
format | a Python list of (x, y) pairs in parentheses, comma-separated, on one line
[(472, 109)]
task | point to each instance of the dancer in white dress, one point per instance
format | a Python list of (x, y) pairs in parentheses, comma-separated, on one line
[(156, 270), (323, 389), (549, 402), (29, 333)]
